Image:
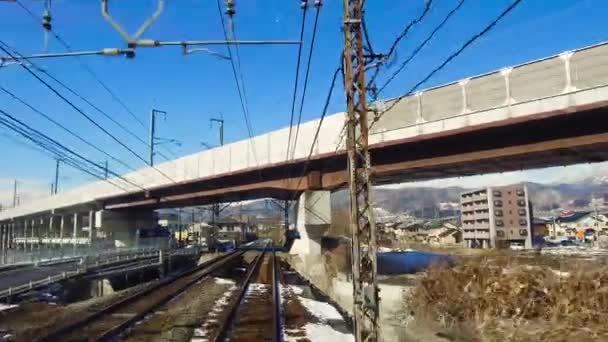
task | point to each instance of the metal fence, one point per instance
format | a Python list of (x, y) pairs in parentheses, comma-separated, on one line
[(89, 262)]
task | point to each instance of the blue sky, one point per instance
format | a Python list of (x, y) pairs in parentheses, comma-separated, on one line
[(194, 88)]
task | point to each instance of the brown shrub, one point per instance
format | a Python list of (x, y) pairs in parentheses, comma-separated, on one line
[(489, 292)]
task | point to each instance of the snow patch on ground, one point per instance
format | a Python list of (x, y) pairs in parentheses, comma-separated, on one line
[(224, 281), (297, 290), (323, 311), (320, 332), (561, 274), (7, 307), (201, 333), (575, 250)]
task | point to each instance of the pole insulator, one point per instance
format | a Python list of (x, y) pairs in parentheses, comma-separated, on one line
[(46, 20)]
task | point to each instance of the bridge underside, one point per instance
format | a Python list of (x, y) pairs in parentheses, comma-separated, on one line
[(578, 135)]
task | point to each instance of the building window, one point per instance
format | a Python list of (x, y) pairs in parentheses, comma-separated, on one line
[(498, 213), (521, 203), (523, 232), (500, 233), (497, 193), (520, 192), (523, 222), (498, 203), (509, 192), (499, 223), (522, 212)]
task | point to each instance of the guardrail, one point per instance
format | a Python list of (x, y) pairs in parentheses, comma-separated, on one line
[(87, 265)]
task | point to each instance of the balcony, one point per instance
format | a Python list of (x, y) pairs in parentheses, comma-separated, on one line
[(482, 216)]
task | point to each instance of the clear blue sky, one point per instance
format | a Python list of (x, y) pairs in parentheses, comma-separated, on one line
[(194, 88)]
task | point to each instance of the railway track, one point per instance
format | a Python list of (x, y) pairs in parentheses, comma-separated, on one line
[(110, 322), (256, 313)]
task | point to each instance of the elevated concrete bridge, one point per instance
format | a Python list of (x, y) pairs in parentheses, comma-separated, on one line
[(543, 113)]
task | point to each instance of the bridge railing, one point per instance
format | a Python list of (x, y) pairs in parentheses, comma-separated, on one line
[(93, 262), (568, 72)]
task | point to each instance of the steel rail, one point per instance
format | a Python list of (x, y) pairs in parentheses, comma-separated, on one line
[(204, 270), (230, 321), (276, 300)]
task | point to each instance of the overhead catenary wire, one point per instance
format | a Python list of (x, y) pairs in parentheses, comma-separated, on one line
[(85, 66), (318, 129), (318, 5), (420, 46), (304, 5), (401, 35), (455, 54), (58, 150), (235, 74), (3, 47), (65, 151), (64, 128), (98, 79)]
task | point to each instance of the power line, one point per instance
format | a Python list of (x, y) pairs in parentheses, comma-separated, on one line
[(49, 118), (304, 5), (419, 48), (402, 35), (102, 84), (318, 5), (242, 95), (78, 109), (451, 57), (56, 148), (318, 130), (48, 141), (85, 67)]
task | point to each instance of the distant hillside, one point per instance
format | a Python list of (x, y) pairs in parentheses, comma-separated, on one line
[(432, 202), (543, 196)]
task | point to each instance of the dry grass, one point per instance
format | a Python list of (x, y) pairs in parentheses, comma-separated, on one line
[(503, 297)]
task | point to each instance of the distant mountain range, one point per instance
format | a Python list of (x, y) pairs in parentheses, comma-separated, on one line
[(429, 202)]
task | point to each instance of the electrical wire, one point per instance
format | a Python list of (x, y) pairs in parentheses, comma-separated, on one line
[(49, 118), (295, 84), (419, 47), (401, 35), (85, 67), (102, 84), (310, 53), (238, 83), (56, 149), (49, 142), (451, 57), (3, 46), (318, 130)]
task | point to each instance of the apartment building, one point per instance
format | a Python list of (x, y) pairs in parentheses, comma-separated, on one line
[(496, 217)]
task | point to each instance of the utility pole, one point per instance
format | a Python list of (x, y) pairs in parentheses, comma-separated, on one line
[(152, 139), (55, 189), (215, 209), (220, 122), (363, 228), (105, 169), (15, 194)]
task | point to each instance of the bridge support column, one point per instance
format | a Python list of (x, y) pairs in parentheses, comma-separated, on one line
[(74, 231), (121, 226), (32, 235), (61, 225), (2, 245), (92, 232), (313, 219)]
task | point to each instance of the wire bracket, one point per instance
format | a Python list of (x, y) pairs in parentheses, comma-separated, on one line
[(131, 40)]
